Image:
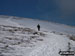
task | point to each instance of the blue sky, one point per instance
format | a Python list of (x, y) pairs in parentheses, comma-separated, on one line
[(61, 11)]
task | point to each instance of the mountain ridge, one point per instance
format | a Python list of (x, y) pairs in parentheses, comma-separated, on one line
[(17, 38)]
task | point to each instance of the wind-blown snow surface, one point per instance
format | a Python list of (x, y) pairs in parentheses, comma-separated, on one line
[(19, 37), (45, 25)]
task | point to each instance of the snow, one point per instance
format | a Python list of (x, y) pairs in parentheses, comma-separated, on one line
[(17, 37), (45, 25)]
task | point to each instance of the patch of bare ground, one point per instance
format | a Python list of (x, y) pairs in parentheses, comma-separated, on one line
[(71, 37)]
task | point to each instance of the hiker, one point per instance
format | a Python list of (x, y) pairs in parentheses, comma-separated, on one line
[(38, 26)]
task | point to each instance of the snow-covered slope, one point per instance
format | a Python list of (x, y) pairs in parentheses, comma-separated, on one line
[(45, 25), (32, 23), (19, 37)]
